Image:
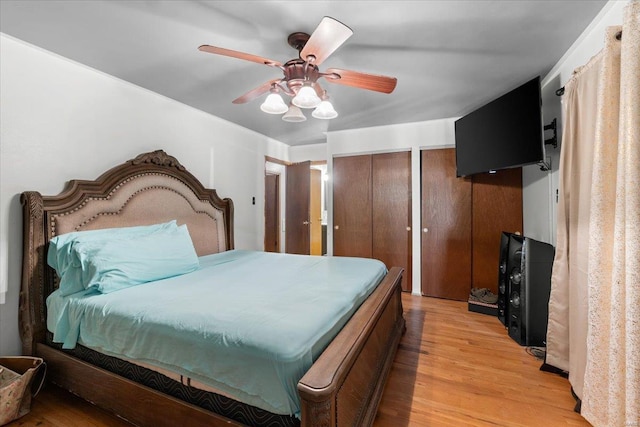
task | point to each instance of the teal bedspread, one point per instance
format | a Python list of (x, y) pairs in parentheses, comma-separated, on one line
[(248, 323)]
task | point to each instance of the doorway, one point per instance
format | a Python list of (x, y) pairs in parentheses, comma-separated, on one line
[(297, 192), (272, 212)]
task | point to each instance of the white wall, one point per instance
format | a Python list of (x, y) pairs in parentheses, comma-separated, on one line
[(62, 120)]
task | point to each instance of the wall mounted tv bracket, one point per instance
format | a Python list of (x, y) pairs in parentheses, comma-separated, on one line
[(546, 166), (554, 139)]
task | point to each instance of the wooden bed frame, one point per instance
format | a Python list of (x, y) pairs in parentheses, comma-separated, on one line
[(342, 388)]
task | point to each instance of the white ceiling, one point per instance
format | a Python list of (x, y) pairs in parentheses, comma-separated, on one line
[(449, 57)]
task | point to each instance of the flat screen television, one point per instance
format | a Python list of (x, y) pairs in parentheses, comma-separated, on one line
[(505, 133)]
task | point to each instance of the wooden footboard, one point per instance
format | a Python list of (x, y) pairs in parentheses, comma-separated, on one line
[(345, 384)]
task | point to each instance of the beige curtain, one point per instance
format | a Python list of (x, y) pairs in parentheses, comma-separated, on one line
[(612, 378), (567, 326), (594, 307)]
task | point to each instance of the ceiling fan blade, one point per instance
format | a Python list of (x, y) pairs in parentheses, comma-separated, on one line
[(326, 38), (239, 55), (373, 82), (254, 93)]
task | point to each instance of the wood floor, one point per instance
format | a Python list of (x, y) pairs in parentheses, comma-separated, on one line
[(453, 368), (459, 368)]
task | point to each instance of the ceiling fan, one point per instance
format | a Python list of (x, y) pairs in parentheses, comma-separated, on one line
[(301, 74)]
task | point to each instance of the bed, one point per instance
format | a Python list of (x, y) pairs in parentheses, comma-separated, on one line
[(343, 385)]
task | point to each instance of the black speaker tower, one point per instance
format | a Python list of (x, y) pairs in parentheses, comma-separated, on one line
[(529, 264), (503, 279)]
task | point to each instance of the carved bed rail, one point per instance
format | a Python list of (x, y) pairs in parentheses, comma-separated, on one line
[(345, 384)]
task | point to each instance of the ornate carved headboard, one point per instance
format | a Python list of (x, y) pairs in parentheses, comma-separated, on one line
[(152, 188)]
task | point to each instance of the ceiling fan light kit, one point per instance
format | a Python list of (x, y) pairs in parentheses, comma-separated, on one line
[(306, 98), (301, 75), (294, 115), (274, 104), (325, 111)]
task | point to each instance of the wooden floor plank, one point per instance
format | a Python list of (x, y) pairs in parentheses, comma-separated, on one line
[(453, 368)]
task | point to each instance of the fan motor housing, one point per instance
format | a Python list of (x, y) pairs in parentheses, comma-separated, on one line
[(297, 72)]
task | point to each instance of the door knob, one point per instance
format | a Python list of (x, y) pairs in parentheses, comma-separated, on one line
[(336, 227), (408, 228), (305, 222), (425, 230)]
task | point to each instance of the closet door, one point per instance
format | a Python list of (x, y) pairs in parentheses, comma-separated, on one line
[(271, 213), (352, 206), (446, 227), (391, 211), (497, 207), (297, 216)]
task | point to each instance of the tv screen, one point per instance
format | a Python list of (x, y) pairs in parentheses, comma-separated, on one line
[(505, 133)]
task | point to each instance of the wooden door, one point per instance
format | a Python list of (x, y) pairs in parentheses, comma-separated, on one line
[(315, 212), (497, 207), (297, 215), (391, 211), (272, 213), (352, 206), (446, 227)]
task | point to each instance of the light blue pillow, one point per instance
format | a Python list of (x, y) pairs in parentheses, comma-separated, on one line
[(119, 264), (63, 258)]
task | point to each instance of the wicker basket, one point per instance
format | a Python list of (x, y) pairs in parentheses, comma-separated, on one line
[(21, 378)]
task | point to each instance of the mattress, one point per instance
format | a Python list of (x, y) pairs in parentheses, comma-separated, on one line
[(247, 323)]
